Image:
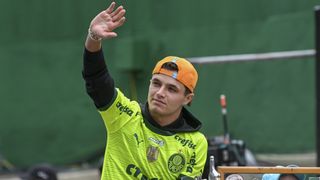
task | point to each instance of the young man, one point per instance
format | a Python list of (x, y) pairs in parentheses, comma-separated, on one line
[(158, 140)]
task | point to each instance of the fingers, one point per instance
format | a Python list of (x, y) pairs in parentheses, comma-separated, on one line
[(116, 11), (121, 21), (110, 8), (119, 15)]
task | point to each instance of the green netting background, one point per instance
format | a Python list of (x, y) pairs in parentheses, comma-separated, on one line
[(46, 116)]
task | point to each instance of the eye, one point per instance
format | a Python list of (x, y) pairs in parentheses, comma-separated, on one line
[(155, 83), (173, 89)]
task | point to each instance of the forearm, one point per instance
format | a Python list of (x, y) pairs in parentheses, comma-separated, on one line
[(99, 83), (93, 63)]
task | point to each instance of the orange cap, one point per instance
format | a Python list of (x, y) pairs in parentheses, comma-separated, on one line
[(186, 74)]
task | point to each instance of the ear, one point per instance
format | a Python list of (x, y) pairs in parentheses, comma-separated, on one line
[(188, 98)]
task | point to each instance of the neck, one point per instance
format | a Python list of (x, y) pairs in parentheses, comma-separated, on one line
[(164, 120)]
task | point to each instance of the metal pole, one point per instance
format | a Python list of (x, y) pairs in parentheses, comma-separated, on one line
[(317, 92), (283, 55)]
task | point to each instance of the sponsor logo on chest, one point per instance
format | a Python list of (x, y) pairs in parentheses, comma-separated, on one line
[(157, 141), (185, 142)]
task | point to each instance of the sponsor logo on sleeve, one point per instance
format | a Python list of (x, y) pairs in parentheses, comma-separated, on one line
[(124, 109), (191, 163)]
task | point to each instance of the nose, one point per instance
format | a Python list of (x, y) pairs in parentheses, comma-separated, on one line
[(161, 92)]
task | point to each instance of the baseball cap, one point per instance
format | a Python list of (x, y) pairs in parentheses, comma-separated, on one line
[(186, 73)]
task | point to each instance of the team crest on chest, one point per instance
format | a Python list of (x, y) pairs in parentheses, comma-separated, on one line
[(152, 153), (176, 162)]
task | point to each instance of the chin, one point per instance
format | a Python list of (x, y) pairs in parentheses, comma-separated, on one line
[(155, 109)]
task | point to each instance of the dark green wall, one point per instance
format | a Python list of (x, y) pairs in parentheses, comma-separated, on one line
[(47, 116)]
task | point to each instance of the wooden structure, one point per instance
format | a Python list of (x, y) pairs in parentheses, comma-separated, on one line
[(223, 170)]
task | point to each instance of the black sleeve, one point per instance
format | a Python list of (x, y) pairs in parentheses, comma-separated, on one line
[(99, 84)]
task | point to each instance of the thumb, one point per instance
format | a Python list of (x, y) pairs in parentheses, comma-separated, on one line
[(108, 35)]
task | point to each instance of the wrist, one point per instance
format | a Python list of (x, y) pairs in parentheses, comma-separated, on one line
[(93, 36)]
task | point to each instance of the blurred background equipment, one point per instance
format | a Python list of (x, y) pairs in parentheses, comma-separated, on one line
[(42, 172), (225, 150)]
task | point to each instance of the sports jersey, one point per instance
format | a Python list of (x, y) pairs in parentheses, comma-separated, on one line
[(137, 146), (136, 149)]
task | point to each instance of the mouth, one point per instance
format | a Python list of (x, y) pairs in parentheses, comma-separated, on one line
[(157, 101)]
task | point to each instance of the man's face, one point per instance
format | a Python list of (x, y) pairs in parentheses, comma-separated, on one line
[(166, 96)]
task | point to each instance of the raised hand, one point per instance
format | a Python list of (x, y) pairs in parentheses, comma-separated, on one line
[(104, 24)]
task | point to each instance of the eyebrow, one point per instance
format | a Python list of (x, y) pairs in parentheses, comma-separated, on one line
[(167, 84)]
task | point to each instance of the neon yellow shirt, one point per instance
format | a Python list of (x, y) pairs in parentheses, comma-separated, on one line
[(137, 150)]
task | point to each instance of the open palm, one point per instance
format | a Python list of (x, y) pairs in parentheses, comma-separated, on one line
[(104, 24)]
